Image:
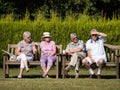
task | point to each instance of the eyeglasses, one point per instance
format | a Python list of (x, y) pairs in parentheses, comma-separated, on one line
[(74, 38), (46, 37), (94, 35)]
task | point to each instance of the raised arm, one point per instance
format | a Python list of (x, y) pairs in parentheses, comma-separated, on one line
[(102, 34)]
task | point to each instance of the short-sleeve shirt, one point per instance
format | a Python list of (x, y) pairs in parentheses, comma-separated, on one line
[(27, 48), (72, 45), (96, 48), (47, 49)]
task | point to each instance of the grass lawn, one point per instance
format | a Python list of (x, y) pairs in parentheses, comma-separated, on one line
[(33, 81)]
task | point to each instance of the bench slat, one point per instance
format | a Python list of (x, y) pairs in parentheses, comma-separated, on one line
[(18, 63), (111, 64)]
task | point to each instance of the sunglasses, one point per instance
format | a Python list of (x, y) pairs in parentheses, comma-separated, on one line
[(94, 35), (28, 37), (46, 37), (74, 38)]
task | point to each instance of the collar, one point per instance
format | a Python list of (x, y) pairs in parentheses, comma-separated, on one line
[(75, 43), (91, 41)]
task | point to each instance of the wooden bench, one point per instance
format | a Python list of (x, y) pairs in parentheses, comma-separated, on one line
[(113, 59), (11, 49)]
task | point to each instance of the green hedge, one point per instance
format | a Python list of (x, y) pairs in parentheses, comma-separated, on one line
[(11, 30)]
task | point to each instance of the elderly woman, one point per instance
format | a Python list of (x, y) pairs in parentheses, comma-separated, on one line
[(25, 52), (48, 53)]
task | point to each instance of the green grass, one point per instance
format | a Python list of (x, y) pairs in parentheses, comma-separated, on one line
[(32, 81)]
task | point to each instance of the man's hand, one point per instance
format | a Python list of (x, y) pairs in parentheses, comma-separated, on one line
[(69, 52)]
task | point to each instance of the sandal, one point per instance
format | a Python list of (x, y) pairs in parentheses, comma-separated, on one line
[(27, 70)]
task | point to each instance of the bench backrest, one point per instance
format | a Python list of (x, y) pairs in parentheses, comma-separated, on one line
[(12, 48), (111, 52)]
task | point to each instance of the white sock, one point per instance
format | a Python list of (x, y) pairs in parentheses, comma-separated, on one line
[(91, 71), (99, 71)]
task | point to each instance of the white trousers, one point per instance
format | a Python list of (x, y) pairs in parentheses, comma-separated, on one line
[(75, 59), (22, 58)]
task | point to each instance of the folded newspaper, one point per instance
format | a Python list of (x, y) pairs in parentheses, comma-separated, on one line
[(12, 56)]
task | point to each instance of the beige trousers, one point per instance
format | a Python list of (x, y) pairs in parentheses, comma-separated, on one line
[(75, 59)]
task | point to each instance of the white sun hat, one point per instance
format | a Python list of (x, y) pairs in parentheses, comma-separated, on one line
[(46, 34)]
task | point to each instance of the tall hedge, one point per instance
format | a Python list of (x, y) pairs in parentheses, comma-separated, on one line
[(11, 30)]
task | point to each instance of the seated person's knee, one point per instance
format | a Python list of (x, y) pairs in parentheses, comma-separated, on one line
[(101, 61), (84, 61)]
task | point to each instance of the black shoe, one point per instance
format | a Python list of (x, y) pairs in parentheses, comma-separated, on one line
[(92, 76), (67, 69), (98, 76)]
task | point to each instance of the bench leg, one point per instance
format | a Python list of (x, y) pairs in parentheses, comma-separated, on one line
[(57, 67), (5, 68), (118, 68), (63, 67), (7, 71)]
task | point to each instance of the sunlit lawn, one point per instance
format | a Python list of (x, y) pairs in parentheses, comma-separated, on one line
[(33, 81)]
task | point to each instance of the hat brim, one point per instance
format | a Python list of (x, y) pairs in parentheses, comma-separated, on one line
[(46, 36)]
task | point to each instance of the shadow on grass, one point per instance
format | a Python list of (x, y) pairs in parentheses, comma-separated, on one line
[(87, 76), (34, 76), (67, 77)]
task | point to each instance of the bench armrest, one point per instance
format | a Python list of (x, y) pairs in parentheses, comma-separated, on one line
[(118, 55), (118, 58), (5, 54)]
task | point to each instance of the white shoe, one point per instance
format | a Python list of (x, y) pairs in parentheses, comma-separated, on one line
[(19, 77), (45, 76)]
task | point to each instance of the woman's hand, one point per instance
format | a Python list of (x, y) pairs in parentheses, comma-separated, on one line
[(26, 53), (34, 49), (48, 57)]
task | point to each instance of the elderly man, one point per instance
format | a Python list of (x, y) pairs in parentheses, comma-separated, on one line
[(76, 49), (95, 51)]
